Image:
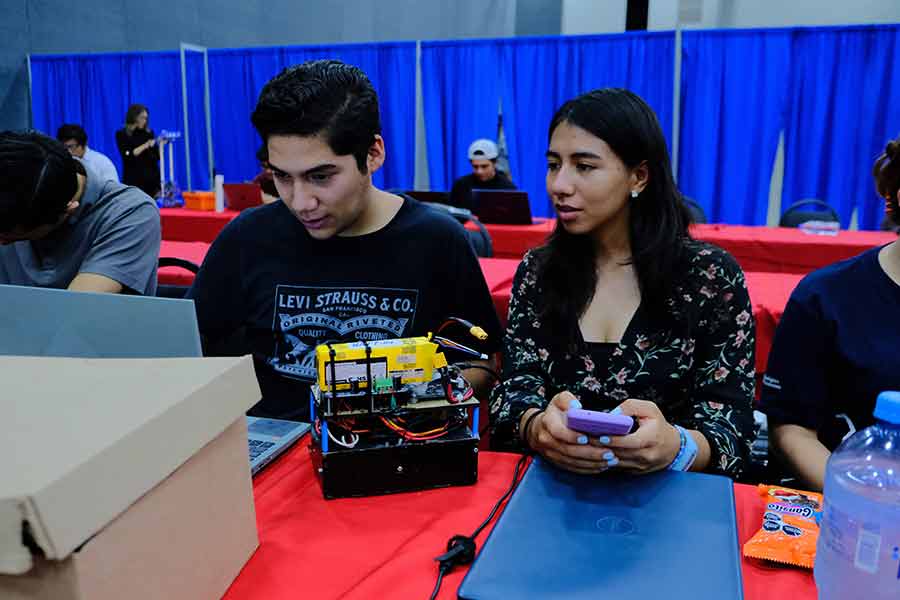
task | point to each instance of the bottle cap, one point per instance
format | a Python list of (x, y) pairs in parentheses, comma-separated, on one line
[(887, 407)]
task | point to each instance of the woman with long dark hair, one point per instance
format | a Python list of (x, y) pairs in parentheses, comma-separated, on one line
[(622, 311), (137, 147)]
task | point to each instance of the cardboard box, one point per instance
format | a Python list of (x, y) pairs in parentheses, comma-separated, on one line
[(124, 478)]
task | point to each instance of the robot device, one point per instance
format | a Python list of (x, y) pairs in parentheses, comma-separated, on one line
[(392, 416)]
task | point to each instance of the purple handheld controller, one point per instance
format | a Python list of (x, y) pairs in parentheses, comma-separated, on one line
[(597, 423)]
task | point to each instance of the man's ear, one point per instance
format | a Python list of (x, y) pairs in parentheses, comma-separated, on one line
[(376, 155)]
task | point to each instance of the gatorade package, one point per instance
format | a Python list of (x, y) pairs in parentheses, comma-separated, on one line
[(790, 527)]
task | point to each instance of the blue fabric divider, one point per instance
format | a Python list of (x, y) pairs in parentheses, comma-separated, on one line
[(95, 90), (733, 104), (539, 74), (238, 75), (845, 94), (461, 96)]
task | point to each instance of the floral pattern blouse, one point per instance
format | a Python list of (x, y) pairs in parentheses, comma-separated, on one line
[(702, 378)]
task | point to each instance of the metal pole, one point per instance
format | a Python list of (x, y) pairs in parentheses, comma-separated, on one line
[(209, 140), (676, 103), (30, 92), (184, 114)]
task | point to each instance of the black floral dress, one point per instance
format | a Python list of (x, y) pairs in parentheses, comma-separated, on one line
[(699, 371)]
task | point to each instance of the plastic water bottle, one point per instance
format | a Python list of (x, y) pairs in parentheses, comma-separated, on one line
[(858, 554)]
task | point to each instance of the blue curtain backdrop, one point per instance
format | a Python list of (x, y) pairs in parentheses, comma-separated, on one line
[(844, 107), (733, 105), (199, 154), (95, 90), (539, 74), (238, 75), (461, 95)]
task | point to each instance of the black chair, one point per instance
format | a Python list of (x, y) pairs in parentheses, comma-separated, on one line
[(175, 291), (479, 240), (694, 210), (808, 210)]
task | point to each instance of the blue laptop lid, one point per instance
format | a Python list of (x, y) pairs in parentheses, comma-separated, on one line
[(562, 535)]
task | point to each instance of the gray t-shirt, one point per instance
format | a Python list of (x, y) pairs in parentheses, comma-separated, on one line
[(115, 232)]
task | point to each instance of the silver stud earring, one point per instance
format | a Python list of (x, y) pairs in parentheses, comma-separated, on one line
[(634, 194)]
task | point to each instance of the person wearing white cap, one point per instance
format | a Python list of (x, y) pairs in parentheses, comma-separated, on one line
[(484, 176)]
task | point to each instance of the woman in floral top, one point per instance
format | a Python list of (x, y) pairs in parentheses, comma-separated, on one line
[(622, 311)]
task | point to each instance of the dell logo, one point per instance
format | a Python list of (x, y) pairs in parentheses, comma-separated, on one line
[(615, 525)]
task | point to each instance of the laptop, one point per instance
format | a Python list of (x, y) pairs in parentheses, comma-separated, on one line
[(49, 322), (239, 196), (663, 535), (433, 197), (502, 207)]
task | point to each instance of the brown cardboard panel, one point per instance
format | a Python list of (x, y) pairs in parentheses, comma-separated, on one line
[(95, 435), (185, 539)]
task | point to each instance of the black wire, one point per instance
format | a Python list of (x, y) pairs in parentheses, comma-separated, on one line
[(464, 366), (507, 494), (446, 566), (437, 585)]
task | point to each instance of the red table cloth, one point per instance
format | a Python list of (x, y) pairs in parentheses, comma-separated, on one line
[(384, 546), (190, 251), (186, 225), (773, 249), (769, 293), (511, 241), (786, 249)]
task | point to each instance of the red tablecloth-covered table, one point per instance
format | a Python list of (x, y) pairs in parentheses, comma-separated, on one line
[(774, 249), (769, 293), (186, 225), (194, 252), (384, 546), (511, 241), (788, 250)]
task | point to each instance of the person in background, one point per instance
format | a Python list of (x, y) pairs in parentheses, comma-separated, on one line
[(484, 176), (622, 311), (74, 138), (63, 226), (323, 262), (138, 149), (836, 348)]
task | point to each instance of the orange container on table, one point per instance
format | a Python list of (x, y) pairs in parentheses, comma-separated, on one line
[(199, 200)]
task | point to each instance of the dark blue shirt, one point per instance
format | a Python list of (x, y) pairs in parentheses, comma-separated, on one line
[(267, 288), (837, 346)]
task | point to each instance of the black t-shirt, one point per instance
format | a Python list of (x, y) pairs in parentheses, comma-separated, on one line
[(836, 347), (268, 288), (141, 171), (461, 193)]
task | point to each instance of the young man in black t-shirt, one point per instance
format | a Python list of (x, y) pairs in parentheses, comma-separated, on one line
[(336, 258)]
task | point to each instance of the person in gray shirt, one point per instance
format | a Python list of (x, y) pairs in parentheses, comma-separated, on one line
[(63, 226)]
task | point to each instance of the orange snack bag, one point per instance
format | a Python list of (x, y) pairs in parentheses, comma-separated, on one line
[(790, 527)]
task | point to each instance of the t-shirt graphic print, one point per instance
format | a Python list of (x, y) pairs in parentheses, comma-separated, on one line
[(306, 316)]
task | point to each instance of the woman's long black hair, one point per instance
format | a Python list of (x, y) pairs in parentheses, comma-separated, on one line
[(658, 219)]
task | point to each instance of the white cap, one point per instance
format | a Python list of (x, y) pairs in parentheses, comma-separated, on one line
[(483, 149)]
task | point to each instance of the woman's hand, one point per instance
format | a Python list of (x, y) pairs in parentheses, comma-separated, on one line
[(652, 447), (568, 449)]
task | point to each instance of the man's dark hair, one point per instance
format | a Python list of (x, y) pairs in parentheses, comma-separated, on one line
[(37, 180), (134, 111), (320, 97), (70, 131)]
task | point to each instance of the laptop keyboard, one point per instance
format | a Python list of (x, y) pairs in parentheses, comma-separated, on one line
[(257, 447)]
